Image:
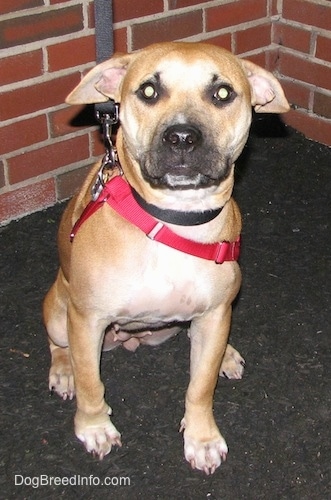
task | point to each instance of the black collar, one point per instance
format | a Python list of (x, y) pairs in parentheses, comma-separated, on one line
[(174, 216)]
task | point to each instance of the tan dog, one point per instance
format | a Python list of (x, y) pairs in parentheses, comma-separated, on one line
[(185, 115)]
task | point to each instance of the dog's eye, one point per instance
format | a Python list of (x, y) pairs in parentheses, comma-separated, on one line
[(148, 91), (223, 94)]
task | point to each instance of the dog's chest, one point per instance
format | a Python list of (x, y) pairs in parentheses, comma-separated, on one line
[(166, 290), (166, 297)]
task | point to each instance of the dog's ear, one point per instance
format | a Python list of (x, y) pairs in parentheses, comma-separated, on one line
[(267, 93), (102, 82)]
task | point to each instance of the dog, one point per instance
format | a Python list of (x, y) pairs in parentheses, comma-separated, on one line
[(185, 114)]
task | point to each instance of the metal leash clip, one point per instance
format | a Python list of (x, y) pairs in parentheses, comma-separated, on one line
[(107, 116)]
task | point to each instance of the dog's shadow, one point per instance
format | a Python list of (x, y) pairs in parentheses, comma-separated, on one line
[(86, 117), (263, 126)]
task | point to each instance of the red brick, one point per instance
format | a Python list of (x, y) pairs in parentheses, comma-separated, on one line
[(297, 93), (234, 13), (126, 9), (308, 12), (306, 70), (313, 127), (322, 105), (252, 38), (33, 163), (71, 119), (167, 29), (36, 27), (259, 59), (22, 134), (22, 201), (323, 48), (36, 97), (178, 4), (2, 175), (72, 53), (69, 182), (271, 59), (221, 41), (11, 67), (292, 37), (90, 15), (7, 6), (120, 40)]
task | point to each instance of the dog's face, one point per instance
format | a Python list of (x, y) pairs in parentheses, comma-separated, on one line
[(185, 110), (186, 118)]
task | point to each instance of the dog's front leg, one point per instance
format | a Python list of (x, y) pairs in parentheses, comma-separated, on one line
[(92, 424), (204, 446)]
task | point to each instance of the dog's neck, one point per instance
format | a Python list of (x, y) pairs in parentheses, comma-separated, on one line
[(180, 218)]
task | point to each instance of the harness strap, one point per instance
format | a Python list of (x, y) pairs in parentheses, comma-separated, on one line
[(117, 193)]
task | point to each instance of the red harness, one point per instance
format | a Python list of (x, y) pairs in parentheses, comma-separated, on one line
[(117, 193)]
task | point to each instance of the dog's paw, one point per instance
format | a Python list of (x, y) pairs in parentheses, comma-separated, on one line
[(61, 379), (205, 456), (100, 438), (233, 364)]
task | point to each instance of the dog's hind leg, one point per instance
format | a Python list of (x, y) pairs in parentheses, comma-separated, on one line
[(232, 364), (61, 378)]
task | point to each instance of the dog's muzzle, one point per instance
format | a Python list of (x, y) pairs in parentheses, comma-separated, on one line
[(181, 157)]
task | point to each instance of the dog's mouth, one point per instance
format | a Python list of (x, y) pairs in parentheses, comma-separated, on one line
[(183, 177), (175, 180), (180, 181)]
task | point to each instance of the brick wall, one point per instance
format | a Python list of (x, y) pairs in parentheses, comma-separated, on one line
[(304, 62), (46, 45)]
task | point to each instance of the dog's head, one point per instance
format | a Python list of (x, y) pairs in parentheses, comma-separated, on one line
[(185, 110)]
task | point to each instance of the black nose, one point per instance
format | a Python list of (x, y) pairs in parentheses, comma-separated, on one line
[(182, 137)]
